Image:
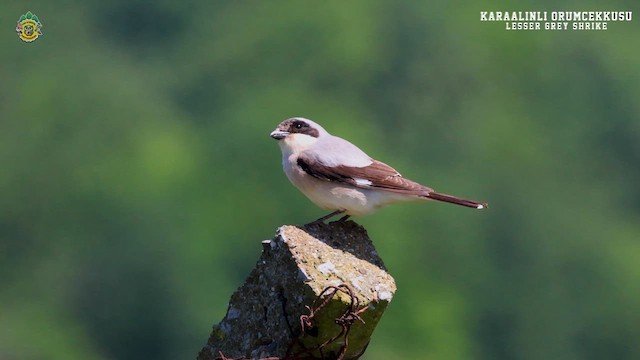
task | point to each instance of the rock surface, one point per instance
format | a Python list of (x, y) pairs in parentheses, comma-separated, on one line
[(263, 319)]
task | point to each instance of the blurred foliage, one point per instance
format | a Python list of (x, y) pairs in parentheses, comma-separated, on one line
[(138, 176)]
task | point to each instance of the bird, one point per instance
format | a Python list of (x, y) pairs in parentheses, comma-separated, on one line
[(336, 175)]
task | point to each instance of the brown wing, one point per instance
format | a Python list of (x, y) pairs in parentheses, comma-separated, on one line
[(376, 175)]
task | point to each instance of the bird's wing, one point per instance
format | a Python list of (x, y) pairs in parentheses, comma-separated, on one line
[(376, 175)]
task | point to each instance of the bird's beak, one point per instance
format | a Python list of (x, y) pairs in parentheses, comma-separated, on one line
[(279, 134)]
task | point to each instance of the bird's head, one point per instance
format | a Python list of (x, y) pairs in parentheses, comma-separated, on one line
[(297, 133)]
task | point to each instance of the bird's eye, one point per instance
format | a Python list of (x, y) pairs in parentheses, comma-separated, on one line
[(298, 125)]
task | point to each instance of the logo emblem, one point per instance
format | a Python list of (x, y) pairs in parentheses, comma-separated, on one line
[(29, 27)]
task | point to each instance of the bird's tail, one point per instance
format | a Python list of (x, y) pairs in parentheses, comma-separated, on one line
[(456, 200)]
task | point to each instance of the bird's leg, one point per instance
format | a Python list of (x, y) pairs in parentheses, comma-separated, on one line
[(329, 216), (344, 218)]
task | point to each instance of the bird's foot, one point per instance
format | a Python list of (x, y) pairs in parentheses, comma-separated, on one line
[(329, 216)]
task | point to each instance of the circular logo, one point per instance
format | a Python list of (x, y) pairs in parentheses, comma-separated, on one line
[(29, 27)]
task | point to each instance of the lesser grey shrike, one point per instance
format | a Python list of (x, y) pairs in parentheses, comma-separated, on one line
[(336, 175)]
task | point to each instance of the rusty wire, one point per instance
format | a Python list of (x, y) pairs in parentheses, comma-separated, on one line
[(345, 321)]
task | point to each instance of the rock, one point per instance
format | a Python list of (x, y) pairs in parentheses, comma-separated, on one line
[(266, 314)]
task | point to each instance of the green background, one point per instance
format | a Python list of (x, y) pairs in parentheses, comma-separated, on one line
[(137, 175)]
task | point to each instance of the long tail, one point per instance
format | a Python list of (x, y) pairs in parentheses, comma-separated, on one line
[(456, 200)]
